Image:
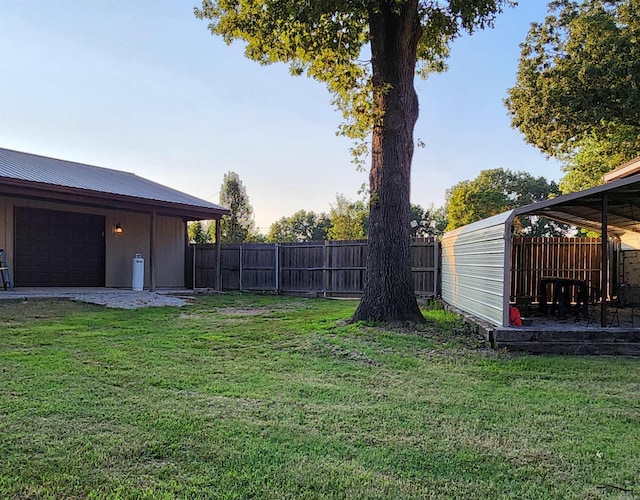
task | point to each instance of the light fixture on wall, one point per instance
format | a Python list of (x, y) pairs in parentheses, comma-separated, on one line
[(118, 229)]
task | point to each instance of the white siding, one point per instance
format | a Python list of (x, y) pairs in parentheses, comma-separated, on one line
[(473, 268)]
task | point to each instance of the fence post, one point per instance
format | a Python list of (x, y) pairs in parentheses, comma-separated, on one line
[(276, 271), (325, 269), (436, 265), (194, 266), (240, 276)]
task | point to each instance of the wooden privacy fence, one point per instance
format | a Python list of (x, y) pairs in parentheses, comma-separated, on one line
[(335, 268), (338, 268), (535, 258)]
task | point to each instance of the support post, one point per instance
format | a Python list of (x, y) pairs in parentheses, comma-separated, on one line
[(276, 249), (434, 241), (604, 264), (195, 252), (325, 268), (240, 277), (152, 251), (506, 273), (218, 254)]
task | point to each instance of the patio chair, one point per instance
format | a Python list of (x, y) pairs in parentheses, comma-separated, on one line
[(612, 312)]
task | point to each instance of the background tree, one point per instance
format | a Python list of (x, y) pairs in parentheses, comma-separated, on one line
[(198, 232), (430, 222), (498, 190), (239, 225), (324, 38), (438, 219), (301, 226), (349, 219), (596, 154), (576, 95)]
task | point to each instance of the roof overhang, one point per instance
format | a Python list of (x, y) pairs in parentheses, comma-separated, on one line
[(585, 208), (630, 168), (76, 196)]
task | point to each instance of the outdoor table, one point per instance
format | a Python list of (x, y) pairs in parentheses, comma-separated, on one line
[(561, 296)]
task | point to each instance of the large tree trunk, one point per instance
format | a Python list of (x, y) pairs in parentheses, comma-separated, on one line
[(388, 292)]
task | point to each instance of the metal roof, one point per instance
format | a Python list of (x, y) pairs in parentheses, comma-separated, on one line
[(51, 173), (584, 208), (494, 220)]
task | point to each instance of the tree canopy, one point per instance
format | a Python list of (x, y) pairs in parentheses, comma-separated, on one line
[(349, 219), (239, 225), (576, 95), (324, 39), (301, 226), (496, 191), (199, 232), (598, 153)]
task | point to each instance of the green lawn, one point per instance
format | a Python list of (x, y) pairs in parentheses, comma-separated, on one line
[(240, 396)]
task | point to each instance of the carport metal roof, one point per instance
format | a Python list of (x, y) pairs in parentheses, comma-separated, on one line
[(621, 207)]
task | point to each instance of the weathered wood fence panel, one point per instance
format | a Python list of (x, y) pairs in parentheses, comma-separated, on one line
[(205, 268), (302, 267), (346, 263), (535, 258), (425, 265), (249, 266), (335, 268), (258, 267), (230, 266)]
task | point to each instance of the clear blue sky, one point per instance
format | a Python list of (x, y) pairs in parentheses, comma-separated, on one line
[(142, 86)]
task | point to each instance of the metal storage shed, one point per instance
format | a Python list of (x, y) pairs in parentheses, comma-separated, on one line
[(476, 258)]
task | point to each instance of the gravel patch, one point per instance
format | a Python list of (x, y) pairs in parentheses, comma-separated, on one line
[(118, 299), (130, 300)]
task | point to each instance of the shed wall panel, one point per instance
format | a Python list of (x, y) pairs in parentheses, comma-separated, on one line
[(473, 271), (170, 248)]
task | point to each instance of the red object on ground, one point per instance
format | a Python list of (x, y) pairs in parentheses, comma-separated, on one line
[(514, 316)]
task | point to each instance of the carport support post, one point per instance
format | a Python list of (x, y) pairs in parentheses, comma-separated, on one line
[(218, 254), (152, 251), (604, 265)]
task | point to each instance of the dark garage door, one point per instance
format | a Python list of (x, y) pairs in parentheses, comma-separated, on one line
[(58, 248)]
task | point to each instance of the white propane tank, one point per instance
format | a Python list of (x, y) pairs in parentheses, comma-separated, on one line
[(137, 275)]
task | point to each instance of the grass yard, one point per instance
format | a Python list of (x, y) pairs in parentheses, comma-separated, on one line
[(241, 396)]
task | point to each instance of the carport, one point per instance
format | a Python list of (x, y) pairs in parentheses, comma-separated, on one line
[(476, 258)]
